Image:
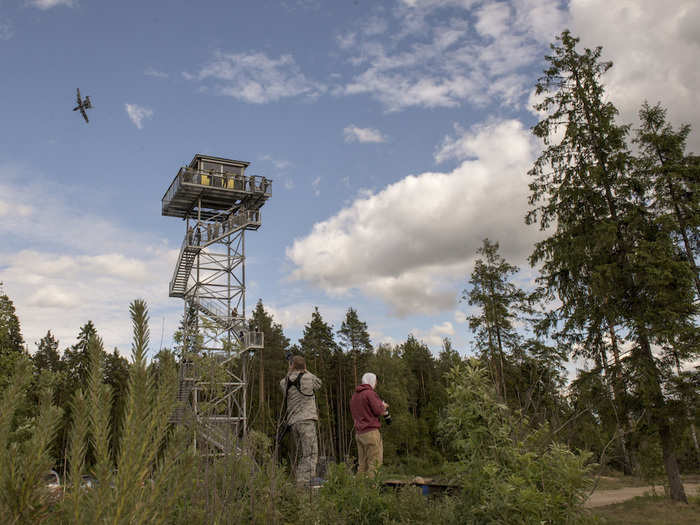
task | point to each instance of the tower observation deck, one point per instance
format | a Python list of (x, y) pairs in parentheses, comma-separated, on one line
[(219, 202)]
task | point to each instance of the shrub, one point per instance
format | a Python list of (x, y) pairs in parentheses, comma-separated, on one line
[(504, 479)]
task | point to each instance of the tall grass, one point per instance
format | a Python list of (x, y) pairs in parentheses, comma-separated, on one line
[(25, 439)]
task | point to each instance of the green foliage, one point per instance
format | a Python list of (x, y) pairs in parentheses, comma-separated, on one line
[(610, 259), (24, 463), (505, 479), (11, 341), (346, 498)]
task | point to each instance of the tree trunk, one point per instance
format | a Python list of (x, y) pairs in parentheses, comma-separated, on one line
[(627, 465), (261, 392), (660, 420)]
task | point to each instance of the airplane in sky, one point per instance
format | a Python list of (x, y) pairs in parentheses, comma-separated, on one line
[(83, 105)]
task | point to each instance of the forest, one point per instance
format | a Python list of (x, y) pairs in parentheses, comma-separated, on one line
[(617, 285)]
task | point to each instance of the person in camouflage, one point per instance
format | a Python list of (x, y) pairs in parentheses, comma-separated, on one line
[(299, 387)]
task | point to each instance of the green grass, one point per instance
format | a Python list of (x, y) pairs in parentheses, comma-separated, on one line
[(645, 510)]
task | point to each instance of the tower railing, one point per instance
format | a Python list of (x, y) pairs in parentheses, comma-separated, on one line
[(212, 179)]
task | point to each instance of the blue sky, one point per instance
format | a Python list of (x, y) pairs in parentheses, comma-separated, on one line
[(396, 133)]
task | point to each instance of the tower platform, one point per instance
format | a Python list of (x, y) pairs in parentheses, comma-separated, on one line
[(216, 184)]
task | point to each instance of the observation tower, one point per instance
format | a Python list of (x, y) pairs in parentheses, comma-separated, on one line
[(218, 202)]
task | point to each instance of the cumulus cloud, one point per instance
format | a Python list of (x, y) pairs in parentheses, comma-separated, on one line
[(434, 61), (48, 4), (256, 78), (137, 114), (354, 133), (654, 47), (316, 186), (435, 335), (296, 315), (63, 268), (408, 243)]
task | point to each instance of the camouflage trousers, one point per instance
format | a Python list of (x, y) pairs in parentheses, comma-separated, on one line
[(304, 433)]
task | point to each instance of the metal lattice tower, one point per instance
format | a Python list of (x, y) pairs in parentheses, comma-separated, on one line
[(219, 203)]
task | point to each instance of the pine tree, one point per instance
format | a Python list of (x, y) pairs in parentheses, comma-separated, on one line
[(269, 365), (46, 356), (76, 359), (605, 257), (354, 339), (11, 341), (498, 301), (318, 346)]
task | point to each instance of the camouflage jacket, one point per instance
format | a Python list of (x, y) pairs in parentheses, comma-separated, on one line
[(301, 405)]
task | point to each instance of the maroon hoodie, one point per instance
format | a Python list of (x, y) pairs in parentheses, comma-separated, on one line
[(366, 407)]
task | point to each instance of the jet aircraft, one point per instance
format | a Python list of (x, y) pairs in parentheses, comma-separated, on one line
[(83, 105)]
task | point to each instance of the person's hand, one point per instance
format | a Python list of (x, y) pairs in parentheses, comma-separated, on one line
[(386, 407)]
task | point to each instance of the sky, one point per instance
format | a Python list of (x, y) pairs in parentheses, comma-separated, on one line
[(397, 135)]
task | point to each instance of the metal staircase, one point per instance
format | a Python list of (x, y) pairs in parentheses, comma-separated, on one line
[(194, 242)]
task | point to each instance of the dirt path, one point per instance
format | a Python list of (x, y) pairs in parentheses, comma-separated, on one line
[(600, 498)]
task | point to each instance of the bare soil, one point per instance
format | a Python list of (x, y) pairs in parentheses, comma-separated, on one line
[(601, 498)]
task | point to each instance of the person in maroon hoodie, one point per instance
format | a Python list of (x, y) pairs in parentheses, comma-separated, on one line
[(366, 407)]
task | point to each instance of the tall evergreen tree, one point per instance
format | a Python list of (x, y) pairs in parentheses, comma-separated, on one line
[(269, 365), (11, 341), (46, 356), (76, 359), (675, 179), (498, 301), (605, 256), (354, 339), (321, 351)]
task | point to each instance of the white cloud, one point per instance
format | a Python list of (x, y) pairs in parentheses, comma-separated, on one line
[(433, 337), (72, 267), (295, 316), (256, 78), (460, 317), (353, 133), (316, 186), (6, 29), (48, 4), (654, 47), (409, 243), (155, 73), (430, 62), (137, 114)]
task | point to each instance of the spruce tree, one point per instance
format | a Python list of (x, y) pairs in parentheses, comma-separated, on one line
[(674, 178), (605, 256)]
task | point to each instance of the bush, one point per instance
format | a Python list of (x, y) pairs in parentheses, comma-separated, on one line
[(505, 480)]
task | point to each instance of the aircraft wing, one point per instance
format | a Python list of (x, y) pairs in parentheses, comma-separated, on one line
[(84, 114), (80, 103)]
